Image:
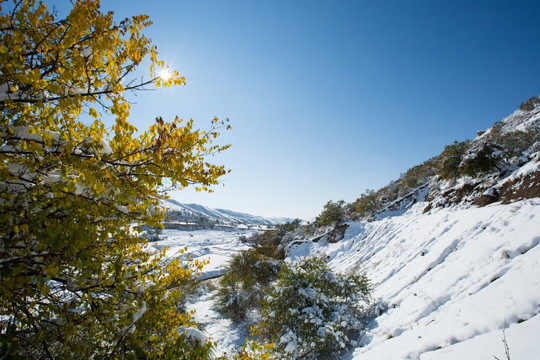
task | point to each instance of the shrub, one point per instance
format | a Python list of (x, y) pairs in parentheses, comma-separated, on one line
[(271, 239), (419, 174), (366, 204), (333, 212), (313, 312), (153, 233), (269, 250), (482, 160), (497, 152), (245, 281), (253, 350), (530, 104), (450, 159), (515, 142), (388, 193)]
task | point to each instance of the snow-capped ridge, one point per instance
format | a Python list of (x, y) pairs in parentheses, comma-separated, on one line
[(196, 214)]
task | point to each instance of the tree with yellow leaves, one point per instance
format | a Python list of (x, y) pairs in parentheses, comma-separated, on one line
[(76, 279)]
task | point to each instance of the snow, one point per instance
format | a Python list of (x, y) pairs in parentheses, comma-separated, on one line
[(137, 315), (521, 121), (457, 282), (86, 52), (522, 340), (491, 192), (195, 334), (229, 337), (530, 167), (214, 246), (451, 276), (290, 339)]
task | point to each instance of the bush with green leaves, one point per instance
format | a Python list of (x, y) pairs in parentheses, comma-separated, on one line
[(313, 312), (333, 212), (418, 175), (248, 275), (450, 159), (366, 203)]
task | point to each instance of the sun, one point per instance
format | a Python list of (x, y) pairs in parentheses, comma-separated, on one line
[(165, 74)]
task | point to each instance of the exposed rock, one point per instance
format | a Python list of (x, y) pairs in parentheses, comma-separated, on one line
[(489, 196), (525, 187), (337, 233), (334, 235)]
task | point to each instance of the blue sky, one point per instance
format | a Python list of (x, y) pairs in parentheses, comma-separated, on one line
[(329, 98)]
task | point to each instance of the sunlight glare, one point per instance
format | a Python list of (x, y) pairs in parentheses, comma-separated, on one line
[(165, 74)]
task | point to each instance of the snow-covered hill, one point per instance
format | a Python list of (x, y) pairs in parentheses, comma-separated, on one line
[(454, 263), (452, 279), (205, 216)]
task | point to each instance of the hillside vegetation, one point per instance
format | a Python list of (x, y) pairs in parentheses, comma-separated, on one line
[(472, 172)]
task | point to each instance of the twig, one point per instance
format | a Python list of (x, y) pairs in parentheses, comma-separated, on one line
[(506, 348)]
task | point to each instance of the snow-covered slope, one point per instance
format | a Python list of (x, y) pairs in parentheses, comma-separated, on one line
[(203, 215), (451, 278), (454, 261)]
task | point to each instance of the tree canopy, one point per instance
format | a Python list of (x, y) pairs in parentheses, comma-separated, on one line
[(76, 278)]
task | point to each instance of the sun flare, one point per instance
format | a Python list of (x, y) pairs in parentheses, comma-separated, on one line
[(165, 74)]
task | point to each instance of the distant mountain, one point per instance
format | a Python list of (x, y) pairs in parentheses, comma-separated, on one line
[(195, 215)]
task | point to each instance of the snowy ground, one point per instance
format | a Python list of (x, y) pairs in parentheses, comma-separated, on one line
[(228, 336), (452, 279), (216, 246)]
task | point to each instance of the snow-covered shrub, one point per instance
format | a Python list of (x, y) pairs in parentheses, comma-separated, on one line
[(152, 233), (530, 104), (514, 142), (245, 281), (270, 240), (312, 312), (497, 150), (485, 159)]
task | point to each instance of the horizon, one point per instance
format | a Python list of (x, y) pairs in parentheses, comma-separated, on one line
[(327, 100)]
